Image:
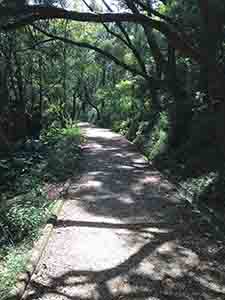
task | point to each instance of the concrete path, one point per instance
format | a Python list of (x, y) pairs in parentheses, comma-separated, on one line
[(124, 234)]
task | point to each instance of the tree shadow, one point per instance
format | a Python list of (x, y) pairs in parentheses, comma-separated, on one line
[(135, 279), (170, 254), (119, 182), (129, 226)]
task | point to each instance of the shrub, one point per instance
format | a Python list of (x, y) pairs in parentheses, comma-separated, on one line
[(63, 159), (63, 152), (24, 206), (158, 138), (22, 216), (15, 262)]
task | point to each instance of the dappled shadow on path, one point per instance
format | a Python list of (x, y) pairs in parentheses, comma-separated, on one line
[(160, 269), (125, 235), (118, 182)]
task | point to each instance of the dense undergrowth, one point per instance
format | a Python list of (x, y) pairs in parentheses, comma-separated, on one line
[(31, 179)]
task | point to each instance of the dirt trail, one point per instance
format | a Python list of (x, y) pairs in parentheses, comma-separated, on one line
[(123, 234)]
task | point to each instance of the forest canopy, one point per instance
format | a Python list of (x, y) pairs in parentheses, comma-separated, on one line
[(153, 70)]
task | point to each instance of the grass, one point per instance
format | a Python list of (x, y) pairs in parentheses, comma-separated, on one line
[(15, 261), (25, 205)]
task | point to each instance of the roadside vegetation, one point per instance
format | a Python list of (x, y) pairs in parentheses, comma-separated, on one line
[(33, 177), (151, 70)]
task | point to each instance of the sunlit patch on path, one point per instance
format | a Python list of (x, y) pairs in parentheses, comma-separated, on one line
[(124, 235)]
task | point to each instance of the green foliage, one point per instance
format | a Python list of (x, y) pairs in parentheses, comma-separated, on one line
[(23, 215), (158, 138), (24, 203), (63, 152), (14, 262), (72, 131), (63, 160), (21, 219), (196, 185), (157, 101), (121, 126), (54, 133), (159, 146)]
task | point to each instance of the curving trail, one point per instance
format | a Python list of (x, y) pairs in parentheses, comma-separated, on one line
[(124, 234)]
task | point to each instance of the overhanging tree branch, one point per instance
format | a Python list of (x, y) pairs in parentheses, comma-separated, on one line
[(34, 46), (125, 40), (96, 49), (156, 52), (33, 13)]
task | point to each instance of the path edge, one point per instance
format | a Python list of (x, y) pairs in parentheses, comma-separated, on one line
[(37, 250), (187, 196)]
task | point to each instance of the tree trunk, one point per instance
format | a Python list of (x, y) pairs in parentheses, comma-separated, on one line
[(216, 88), (40, 86), (181, 109), (87, 98), (4, 143), (74, 107), (212, 15)]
